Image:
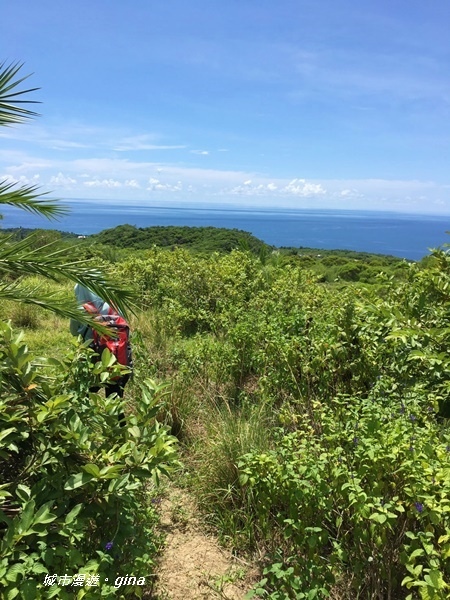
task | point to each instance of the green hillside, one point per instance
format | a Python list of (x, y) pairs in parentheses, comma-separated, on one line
[(114, 245), (199, 239), (311, 418)]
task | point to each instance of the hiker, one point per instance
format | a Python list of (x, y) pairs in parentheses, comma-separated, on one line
[(120, 346)]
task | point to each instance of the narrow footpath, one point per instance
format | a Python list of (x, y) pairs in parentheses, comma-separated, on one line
[(193, 566)]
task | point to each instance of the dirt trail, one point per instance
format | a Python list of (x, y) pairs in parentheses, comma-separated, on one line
[(193, 566)]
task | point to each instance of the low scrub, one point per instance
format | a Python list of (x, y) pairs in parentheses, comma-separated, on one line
[(75, 486), (355, 502)]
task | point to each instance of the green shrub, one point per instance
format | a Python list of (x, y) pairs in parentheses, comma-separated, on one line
[(356, 498), (75, 485)]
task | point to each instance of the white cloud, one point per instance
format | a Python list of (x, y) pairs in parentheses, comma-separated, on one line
[(108, 177), (62, 180), (65, 144), (349, 194), (143, 142), (6, 178), (201, 152), (132, 183), (300, 187), (247, 189), (79, 136), (19, 162), (157, 186), (104, 183), (296, 187), (56, 138), (22, 180)]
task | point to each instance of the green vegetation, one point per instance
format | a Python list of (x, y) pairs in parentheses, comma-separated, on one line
[(197, 239), (45, 235), (74, 493), (311, 416), (345, 265), (117, 244), (73, 483), (309, 395)]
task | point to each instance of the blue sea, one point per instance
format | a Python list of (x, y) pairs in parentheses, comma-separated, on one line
[(405, 235)]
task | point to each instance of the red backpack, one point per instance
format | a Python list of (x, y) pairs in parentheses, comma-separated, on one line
[(119, 345)]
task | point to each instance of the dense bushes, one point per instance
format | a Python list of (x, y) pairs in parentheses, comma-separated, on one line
[(75, 486), (312, 415), (356, 500), (346, 486), (282, 325)]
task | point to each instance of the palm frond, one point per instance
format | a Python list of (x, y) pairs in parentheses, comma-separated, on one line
[(19, 291), (28, 198), (20, 258), (10, 101)]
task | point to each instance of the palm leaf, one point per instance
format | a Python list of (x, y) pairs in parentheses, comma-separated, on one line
[(20, 258), (20, 291), (27, 198), (10, 98), (12, 111)]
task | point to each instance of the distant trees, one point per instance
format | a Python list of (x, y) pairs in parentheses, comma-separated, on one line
[(199, 239)]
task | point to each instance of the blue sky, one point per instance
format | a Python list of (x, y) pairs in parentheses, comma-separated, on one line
[(306, 104)]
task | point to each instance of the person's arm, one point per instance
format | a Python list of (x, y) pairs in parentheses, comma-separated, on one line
[(77, 328), (74, 325)]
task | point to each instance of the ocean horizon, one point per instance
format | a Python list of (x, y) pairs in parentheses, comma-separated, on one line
[(405, 235)]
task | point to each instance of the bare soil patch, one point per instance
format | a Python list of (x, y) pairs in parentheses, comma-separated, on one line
[(193, 566)]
